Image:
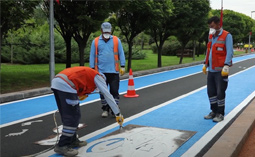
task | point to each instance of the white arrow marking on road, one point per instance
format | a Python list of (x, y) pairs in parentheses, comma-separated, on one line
[(18, 133), (29, 123)]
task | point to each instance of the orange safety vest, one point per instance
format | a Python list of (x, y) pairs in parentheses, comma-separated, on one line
[(115, 51), (219, 51), (80, 78)]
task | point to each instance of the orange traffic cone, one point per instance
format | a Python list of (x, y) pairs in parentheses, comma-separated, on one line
[(131, 86)]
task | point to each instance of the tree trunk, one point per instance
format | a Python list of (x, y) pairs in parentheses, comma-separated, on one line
[(160, 54), (194, 49), (11, 48), (68, 51), (199, 49), (81, 53), (142, 42), (181, 57), (82, 42), (130, 44), (1, 49)]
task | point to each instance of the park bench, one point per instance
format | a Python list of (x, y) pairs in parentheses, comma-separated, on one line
[(186, 53)]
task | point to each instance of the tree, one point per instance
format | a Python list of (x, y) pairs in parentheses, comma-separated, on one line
[(238, 24), (64, 27), (253, 34), (189, 20), (29, 45), (14, 13), (202, 39), (81, 18), (132, 19), (160, 28)]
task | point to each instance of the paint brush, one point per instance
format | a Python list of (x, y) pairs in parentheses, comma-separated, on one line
[(121, 129)]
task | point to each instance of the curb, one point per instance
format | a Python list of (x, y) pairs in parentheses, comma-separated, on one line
[(231, 142), (24, 94)]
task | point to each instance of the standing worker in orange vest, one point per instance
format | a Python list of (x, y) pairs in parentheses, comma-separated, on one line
[(218, 60), (70, 86), (105, 56)]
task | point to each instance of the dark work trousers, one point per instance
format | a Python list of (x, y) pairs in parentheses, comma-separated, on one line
[(70, 116), (216, 90), (113, 81)]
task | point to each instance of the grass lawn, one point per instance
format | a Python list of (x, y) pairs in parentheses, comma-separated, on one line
[(151, 61), (15, 77)]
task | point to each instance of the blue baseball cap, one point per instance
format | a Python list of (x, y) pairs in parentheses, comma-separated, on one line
[(106, 27)]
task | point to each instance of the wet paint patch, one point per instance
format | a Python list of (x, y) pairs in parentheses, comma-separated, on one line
[(52, 139), (136, 140)]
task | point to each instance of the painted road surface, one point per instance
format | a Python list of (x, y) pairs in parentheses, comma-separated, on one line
[(181, 113), (43, 104)]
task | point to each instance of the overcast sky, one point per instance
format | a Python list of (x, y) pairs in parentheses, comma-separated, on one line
[(241, 6)]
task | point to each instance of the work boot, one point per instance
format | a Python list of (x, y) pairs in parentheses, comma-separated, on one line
[(218, 118), (211, 115), (105, 114), (106, 109), (78, 143), (66, 151)]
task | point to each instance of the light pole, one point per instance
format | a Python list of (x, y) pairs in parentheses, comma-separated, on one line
[(52, 59), (252, 12)]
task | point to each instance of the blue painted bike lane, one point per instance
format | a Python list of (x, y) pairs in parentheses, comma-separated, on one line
[(187, 112), (32, 107)]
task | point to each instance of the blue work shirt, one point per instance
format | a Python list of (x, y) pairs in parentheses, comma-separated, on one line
[(106, 61), (229, 49)]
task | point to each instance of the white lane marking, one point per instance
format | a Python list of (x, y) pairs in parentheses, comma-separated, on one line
[(17, 133), (25, 119), (85, 103), (7, 103), (29, 123), (134, 78), (196, 146), (199, 145)]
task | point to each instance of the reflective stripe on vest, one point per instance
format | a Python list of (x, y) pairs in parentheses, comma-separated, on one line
[(115, 51), (209, 44), (65, 78), (220, 42)]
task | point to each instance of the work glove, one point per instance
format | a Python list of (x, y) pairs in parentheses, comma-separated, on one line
[(122, 71), (83, 97), (225, 70), (119, 119), (204, 69)]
